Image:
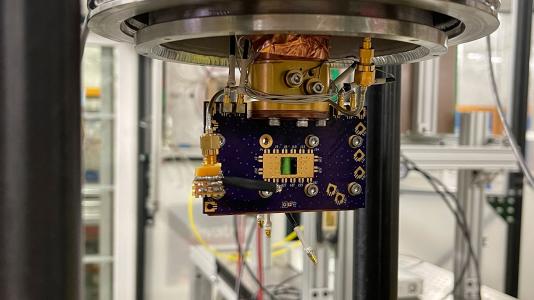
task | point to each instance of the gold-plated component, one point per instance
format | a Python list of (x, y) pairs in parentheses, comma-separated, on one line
[(364, 75), (331, 189), (266, 141), (353, 102), (360, 129), (359, 156), (210, 143), (359, 173), (210, 206), (260, 219), (227, 104), (269, 76), (270, 109), (208, 176), (275, 165), (240, 106), (340, 198), (329, 223), (311, 255), (268, 225)]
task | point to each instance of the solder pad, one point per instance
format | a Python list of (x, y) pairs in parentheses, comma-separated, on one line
[(333, 163)]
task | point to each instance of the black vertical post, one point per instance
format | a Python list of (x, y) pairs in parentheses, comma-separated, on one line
[(376, 226), (523, 11), (143, 169), (40, 174)]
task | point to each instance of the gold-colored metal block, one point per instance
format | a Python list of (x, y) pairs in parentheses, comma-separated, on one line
[(269, 76), (272, 165)]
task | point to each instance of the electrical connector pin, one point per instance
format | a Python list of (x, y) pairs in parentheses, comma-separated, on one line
[(268, 225)]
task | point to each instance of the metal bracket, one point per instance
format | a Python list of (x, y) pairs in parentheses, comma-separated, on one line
[(504, 206)]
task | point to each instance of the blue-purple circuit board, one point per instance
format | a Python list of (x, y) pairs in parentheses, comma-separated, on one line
[(335, 164)]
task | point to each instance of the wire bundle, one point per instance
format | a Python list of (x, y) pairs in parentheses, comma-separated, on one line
[(459, 214)]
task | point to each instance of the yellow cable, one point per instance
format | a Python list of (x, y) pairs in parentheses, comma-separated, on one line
[(201, 241), (233, 256)]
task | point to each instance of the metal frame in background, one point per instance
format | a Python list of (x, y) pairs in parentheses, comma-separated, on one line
[(376, 227), (518, 120), (40, 143)]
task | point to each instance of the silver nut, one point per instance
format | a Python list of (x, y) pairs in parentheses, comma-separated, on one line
[(294, 78), (355, 141), (302, 123), (311, 141), (354, 189), (318, 88), (274, 122), (265, 194), (311, 190)]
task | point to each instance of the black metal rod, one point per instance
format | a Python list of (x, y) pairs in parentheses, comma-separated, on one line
[(376, 226), (143, 169), (520, 78), (40, 137)]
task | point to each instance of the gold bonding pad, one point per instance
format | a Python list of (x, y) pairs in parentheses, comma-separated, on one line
[(272, 165)]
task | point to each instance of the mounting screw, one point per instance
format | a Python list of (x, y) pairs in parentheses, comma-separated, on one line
[(265, 194), (311, 141), (274, 122), (355, 141), (354, 189), (222, 139), (311, 190), (302, 123), (320, 123), (317, 88), (266, 141), (294, 78)]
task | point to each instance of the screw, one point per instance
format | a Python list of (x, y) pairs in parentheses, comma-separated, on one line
[(318, 88), (311, 190), (274, 122), (320, 123), (294, 78), (265, 194), (355, 141), (222, 139), (354, 189), (302, 123), (311, 141)]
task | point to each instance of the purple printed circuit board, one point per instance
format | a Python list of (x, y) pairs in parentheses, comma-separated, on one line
[(333, 166)]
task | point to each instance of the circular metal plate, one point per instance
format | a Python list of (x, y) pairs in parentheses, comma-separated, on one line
[(197, 31)]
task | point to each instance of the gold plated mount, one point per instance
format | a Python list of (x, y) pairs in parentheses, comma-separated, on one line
[(269, 109), (289, 78), (208, 176)]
